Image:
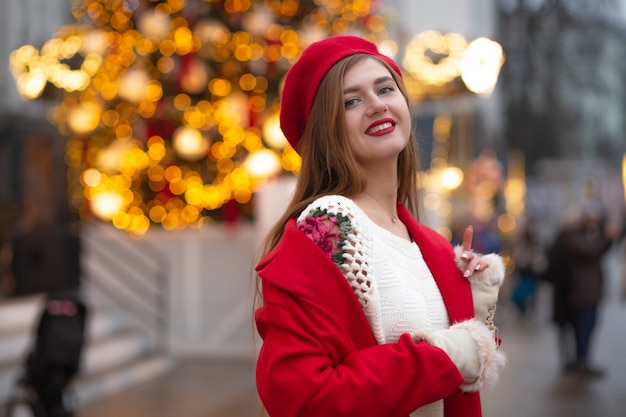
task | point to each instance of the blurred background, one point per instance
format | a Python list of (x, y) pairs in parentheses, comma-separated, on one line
[(141, 163)]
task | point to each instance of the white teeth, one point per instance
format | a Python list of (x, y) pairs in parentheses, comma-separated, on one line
[(380, 127)]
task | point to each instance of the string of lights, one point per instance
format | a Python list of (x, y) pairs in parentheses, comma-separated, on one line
[(170, 107)]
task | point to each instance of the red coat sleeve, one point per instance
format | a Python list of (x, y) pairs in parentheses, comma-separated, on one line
[(309, 367), (319, 357)]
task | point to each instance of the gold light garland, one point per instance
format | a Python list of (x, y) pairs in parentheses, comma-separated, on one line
[(444, 64)]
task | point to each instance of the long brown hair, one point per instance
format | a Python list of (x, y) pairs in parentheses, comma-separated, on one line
[(328, 165)]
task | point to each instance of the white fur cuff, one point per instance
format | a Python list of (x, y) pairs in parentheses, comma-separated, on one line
[(473, 349), (492, 360)]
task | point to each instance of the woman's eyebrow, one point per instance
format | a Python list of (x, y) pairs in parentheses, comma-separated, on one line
[(378, 80)]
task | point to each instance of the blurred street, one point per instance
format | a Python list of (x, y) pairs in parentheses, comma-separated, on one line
[(194, 388), (532, 384)]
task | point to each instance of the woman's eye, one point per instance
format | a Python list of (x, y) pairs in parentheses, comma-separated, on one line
[(385, 90), (350, 102)]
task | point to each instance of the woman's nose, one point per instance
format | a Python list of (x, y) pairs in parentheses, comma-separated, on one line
[(377, 105)]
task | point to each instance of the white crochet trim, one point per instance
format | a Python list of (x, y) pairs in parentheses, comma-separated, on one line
[(356, 248)]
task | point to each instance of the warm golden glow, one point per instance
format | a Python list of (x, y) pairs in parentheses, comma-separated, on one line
[(388, 47), (444, 64), (272, 133), (109, 159), (106, 204), (85, 117), (31, 85), (435, 58), (506, 223), (451, 177), (190, 144), (262, 164), (133, 85), (445, 209), (481, 65), (170, 108), (92, 177), (155, 24), (432, 201)]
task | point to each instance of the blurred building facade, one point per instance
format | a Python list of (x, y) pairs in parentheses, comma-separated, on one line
[(564, 100), (558, 108)]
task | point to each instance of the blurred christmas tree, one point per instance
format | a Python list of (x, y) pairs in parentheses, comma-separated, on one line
[(171, 107)]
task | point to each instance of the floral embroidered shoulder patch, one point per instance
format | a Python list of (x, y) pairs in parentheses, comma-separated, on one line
[(329, 231)]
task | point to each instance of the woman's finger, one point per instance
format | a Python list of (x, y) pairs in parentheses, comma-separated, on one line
[(468, 235), (478, 263), (473, 265)]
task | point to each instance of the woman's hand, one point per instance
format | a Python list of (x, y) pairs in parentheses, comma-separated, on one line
[(485, 274), (474, 262)]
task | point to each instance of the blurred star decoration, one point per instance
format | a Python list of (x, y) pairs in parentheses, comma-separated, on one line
[(170, 107)]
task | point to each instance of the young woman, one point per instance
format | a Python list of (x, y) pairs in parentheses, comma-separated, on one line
[(366, 312)]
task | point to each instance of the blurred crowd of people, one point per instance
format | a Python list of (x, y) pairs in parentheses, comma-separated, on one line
[(572, 263)]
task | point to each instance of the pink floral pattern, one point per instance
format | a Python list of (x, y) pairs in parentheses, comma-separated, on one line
[(323, 231)]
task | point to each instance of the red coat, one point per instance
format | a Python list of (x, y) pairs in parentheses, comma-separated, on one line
[(319, 357)]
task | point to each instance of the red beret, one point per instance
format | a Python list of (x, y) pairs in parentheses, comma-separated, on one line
[(305, 76)]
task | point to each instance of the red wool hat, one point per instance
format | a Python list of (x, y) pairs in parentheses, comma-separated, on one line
[(306, 74)]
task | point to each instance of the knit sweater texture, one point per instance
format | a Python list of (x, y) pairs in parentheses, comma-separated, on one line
[(388, 273)]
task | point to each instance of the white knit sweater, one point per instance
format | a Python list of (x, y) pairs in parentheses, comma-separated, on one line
[(388, 275)]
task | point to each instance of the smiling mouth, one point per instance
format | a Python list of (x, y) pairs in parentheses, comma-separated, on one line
[(378, 128)]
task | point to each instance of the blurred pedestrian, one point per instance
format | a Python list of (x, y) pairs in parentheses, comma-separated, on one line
[(576, 273), (530, 264)]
